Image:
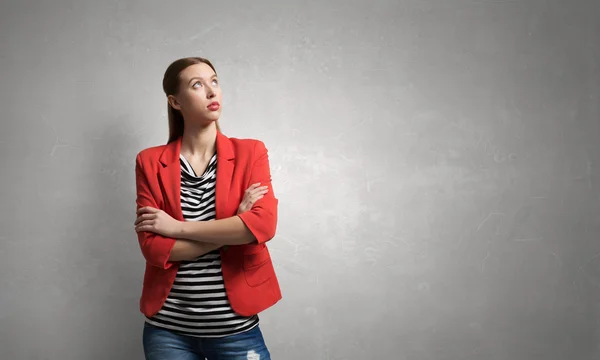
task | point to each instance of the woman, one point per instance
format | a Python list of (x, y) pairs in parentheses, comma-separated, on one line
[(206, 208)]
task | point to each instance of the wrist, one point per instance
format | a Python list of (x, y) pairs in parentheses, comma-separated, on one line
[(180, 230)]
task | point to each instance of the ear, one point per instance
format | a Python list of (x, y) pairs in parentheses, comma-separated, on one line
[(173, 102)]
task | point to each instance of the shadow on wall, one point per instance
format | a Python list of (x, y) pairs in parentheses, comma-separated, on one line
[(111, 295)]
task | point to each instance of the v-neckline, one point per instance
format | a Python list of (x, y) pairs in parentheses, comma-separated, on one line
[(189, 166)]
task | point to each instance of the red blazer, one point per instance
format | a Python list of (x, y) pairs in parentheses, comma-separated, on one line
[(248, 273)]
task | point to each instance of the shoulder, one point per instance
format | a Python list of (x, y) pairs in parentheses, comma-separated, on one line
[(246, 143), (150, 154), (248, 146)]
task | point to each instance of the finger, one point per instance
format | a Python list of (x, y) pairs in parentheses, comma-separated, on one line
[(147, 209), (259, 191), (139, 219), (143, 228), (146, 223), (260, 188), (253, 186), (144, 217)]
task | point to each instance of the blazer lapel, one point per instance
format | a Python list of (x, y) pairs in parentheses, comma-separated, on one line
[(225, 165), (170, 179)]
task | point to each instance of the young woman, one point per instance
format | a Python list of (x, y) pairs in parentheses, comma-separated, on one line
[(206, 208)]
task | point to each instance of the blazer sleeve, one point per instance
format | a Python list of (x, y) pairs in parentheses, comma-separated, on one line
[(261, 219), (155, 248)]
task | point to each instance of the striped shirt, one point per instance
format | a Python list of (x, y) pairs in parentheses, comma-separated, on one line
[(197, 304)]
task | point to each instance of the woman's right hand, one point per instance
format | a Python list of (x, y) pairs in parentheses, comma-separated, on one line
[(252, 195)]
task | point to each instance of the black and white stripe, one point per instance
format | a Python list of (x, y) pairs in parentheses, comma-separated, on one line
[(197, 304)]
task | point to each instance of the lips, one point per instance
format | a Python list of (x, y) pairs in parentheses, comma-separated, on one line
[(213, 106)]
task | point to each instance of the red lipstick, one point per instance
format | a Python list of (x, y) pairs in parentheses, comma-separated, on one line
[(213, 106)]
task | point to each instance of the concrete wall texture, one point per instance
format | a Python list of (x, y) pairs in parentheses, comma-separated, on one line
[(437, 164)]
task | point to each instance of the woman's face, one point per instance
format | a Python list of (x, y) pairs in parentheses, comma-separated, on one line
[(199, 97)]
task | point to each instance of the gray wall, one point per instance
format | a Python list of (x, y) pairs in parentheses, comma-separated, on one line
[(437, 164)]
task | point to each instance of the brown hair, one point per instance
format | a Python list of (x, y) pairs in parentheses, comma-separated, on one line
[(171, 83)]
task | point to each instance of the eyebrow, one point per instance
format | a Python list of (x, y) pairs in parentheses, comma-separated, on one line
[(201, 78)]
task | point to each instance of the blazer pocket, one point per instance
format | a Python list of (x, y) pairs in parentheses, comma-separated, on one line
[(256, 269), (251, 249), (256, 259)]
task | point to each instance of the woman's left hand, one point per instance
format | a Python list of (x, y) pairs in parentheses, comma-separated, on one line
[(156, 221)]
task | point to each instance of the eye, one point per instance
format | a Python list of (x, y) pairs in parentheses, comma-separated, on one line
[(197, 83), (215, 82)]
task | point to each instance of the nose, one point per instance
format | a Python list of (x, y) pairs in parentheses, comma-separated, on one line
[(210, 92)]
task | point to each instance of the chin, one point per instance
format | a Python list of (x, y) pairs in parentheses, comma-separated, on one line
[(210, 120), (214, 116)]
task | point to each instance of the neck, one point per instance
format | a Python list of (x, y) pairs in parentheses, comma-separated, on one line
[(199, 141)]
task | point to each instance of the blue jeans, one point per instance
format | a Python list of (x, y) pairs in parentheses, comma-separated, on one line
[(162, 344)]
